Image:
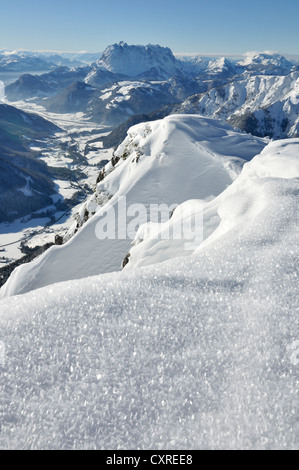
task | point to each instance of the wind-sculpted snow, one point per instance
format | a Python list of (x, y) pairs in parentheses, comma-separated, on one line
[(194, 353), (162, 162), (237, 207)]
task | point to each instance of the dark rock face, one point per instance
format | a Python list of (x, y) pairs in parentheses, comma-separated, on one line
[(58, 240), (126, 260)]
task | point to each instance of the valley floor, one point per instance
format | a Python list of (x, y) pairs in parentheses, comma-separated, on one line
[(38, 229)]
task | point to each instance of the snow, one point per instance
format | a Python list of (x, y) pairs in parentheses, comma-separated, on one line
[(122, 92), (269, 60), (253, 193), (193, 353), (205, 152), (132, 60), (106, 96), (277, 95), (26, 190)]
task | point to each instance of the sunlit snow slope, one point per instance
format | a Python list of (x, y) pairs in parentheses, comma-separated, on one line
[(167, 161), (199, 352), (251, 194)]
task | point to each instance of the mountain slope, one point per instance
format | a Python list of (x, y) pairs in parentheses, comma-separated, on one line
[(28, 86), (122, 100), (25, 182), (73, 99), (266, 64), (262, 105), (151, 167)]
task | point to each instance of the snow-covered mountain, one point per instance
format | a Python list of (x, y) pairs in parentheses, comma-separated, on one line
[(163, 162), (198, 352), (222, 67), (134, 60), (262, 105), (265, 64), (119, 101), (209, 67), (257, 94), (99, 77)]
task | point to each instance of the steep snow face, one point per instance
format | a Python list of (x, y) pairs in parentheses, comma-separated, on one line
[(134, 60), (193, 353), (163, 162), (249, 196), (262, 105)]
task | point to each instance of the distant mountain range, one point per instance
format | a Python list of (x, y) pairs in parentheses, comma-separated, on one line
[(256, 94), (22, 61)]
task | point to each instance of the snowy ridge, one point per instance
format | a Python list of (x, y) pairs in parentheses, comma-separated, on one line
[(151, 166)]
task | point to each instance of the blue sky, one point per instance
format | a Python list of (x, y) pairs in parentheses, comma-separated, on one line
[(209, 26)]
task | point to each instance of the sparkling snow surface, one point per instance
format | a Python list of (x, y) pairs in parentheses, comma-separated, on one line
[(192, 353), (199, 352)]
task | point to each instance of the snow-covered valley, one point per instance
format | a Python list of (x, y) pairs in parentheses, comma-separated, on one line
[(75, 162)]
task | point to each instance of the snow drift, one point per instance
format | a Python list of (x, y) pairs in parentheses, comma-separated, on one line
[(251, 194)]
